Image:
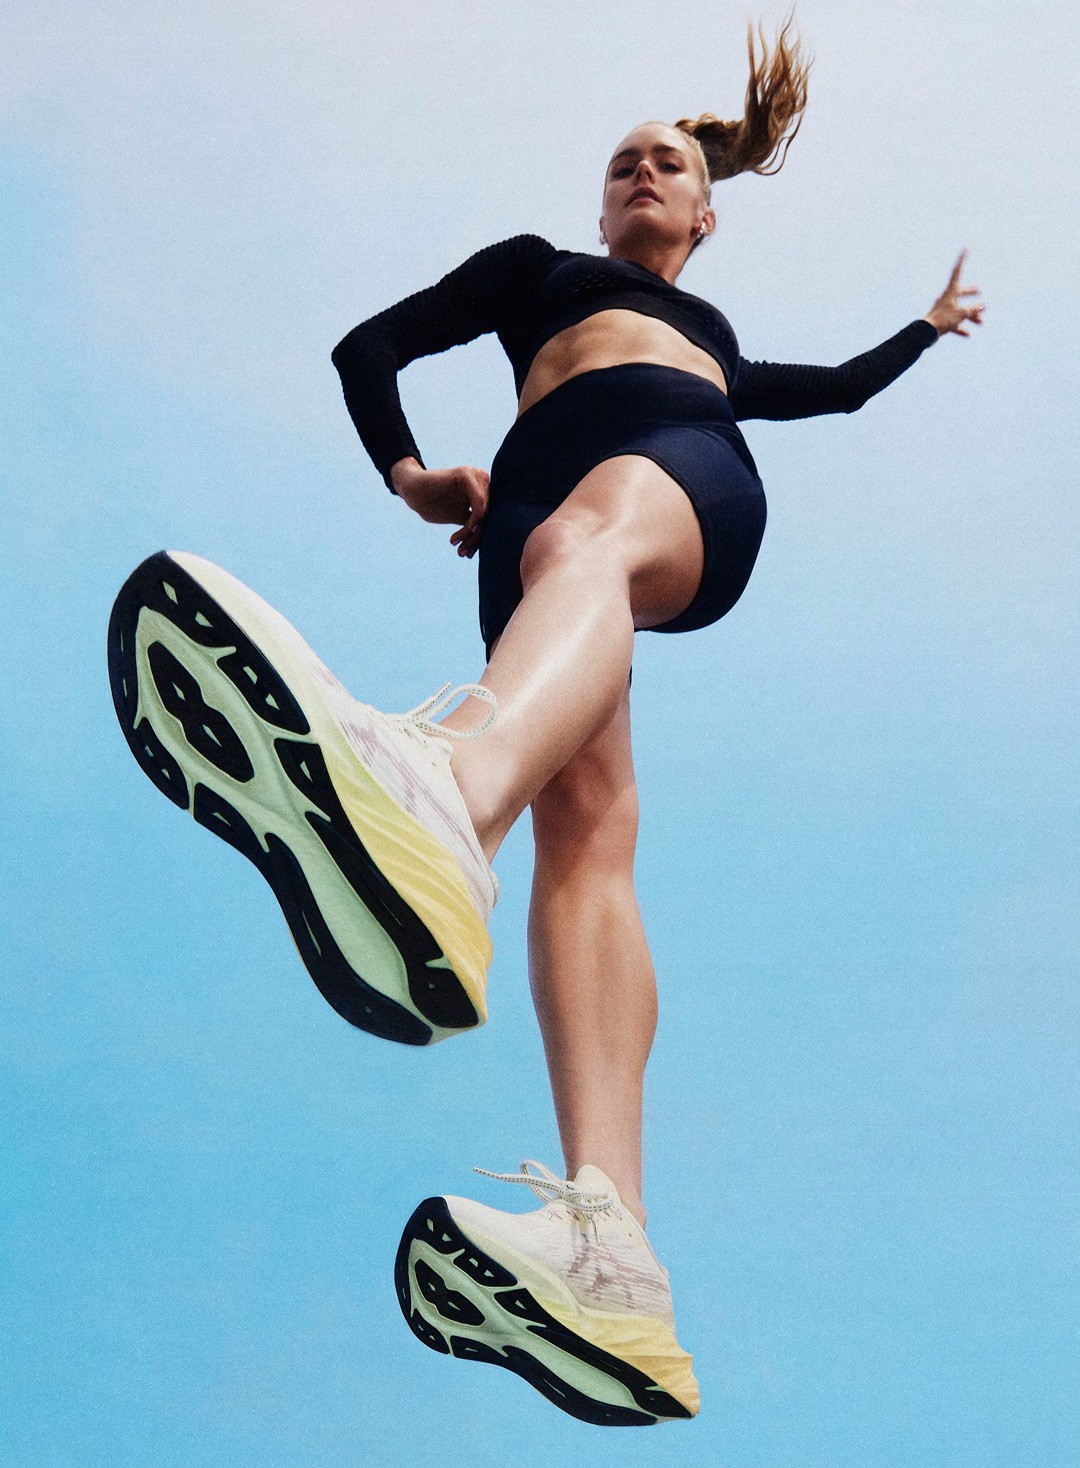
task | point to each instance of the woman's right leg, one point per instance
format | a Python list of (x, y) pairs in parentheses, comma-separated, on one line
[(592, 977), (623, 550), (592, 1323)]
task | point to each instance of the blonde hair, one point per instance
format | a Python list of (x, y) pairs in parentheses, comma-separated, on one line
[(775, 97)]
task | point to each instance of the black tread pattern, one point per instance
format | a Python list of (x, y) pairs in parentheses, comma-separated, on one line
[(436, 991), (451, 1304), (162, 585), (206, 729), (432, 1224)]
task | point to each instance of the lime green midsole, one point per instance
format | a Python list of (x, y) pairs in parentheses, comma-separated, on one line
[(641, 1341)]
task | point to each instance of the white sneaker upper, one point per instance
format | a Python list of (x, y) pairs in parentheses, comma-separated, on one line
[(583, 1235), (410, 756)]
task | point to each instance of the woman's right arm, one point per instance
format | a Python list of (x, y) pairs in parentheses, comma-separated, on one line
[(473, 299)]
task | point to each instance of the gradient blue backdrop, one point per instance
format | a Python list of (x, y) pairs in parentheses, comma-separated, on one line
[(858, 859)]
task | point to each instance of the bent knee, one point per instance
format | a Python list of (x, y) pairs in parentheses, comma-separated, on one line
[(563, 538)]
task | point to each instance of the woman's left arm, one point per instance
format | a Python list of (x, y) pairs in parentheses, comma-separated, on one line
[(781, 390)]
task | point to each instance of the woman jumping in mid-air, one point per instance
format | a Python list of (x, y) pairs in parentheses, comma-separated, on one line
[(623, 498)]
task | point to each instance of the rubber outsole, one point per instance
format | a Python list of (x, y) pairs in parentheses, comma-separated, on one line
[(199, 759), (490, 1317)]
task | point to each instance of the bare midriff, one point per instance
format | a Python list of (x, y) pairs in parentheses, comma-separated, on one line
[(609, 339)]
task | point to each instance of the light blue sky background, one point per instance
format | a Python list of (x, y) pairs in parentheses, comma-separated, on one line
[(858, 860)]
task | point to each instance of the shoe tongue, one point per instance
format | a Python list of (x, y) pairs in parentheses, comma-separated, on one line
[(591, 1180)]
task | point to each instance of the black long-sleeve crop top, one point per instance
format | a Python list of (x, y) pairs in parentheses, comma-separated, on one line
[(526, 290)]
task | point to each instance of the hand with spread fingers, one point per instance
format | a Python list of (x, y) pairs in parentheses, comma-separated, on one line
[(949, 311)]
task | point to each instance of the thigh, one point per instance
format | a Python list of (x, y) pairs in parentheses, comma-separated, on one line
[(636, 516), (505, 529)]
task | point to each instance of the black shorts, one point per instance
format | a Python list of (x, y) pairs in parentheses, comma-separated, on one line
[(680, 420)]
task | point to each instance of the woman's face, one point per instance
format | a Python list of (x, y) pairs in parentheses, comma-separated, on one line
[(655, 161)]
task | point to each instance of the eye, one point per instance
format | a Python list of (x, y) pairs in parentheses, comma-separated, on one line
[(624, 168)]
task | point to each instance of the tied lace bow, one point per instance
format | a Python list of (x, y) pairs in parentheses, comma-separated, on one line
[(420, 720), (548, 1187)]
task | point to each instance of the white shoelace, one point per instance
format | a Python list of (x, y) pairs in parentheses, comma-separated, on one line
[(420, 719), (547, 1187)]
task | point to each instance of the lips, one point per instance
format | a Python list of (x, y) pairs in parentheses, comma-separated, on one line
[(643, 194)]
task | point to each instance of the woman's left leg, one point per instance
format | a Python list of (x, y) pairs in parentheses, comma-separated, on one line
[(592, 978)]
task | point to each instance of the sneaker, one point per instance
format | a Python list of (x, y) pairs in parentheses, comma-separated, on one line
[(571, 1297), (353, 816)]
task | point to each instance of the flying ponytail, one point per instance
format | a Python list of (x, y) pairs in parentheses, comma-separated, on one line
[(775, 97)]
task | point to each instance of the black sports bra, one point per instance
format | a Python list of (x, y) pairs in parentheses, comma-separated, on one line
[(576, 286), (526, 291)]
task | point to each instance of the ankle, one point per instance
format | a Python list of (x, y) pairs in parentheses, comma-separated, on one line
[(488, 823), (490, 839), (627, 1187), (637, 1208)]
